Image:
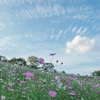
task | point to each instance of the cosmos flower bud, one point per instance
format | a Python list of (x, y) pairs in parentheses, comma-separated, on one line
[(61, 62), (57, 61)]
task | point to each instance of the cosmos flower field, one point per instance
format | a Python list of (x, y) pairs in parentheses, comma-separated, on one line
[(23, 83)]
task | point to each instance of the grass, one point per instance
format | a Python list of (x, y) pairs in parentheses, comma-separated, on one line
[(14, 85)]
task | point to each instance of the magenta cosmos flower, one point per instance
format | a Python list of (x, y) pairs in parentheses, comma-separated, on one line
[(57, 61), (41, 60), (67, 82), (52, 93), (52, 54), (69, 88), (29, 74)]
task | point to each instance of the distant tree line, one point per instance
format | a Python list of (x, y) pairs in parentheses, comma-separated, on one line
[(32, 62)]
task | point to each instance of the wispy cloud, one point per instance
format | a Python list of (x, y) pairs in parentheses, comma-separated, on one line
[(59, 34), (29, 35), (83, 31), (40, 10), (73, 30), (2, 26), (65, 31), (79, 30), (29, 9), (26, 35), (36, 36), (79, 16), (80, 12)]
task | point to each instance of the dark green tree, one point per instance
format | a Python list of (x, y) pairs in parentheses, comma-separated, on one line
[(33, 62), (96, 73)]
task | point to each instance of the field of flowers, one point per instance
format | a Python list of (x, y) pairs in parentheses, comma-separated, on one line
[(23, 83)]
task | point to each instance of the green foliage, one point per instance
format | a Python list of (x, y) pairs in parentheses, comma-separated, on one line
[(0, 57), (33, 60), (3, 58), (48, 66), (33, 66), (19, 61), (96, 73)]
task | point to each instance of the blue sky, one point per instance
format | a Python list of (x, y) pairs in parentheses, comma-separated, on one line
[(71, 29)]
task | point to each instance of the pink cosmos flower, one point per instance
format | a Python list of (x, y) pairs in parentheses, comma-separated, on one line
[(10, 89), (52, 83), (41, 60), (12, 70), (5, 83), (67, 82), (52, 93), (28, 98), (69, 88), (99, 92), (3, 97), (29, 78), (11, 84), (23, 92), (29, 74), (74, 79), (22, 81), (13, 74), (58, 81), (26, 88), (72, 93), (57, 77)]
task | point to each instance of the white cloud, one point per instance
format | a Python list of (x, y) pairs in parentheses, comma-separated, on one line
[(81, 45)]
